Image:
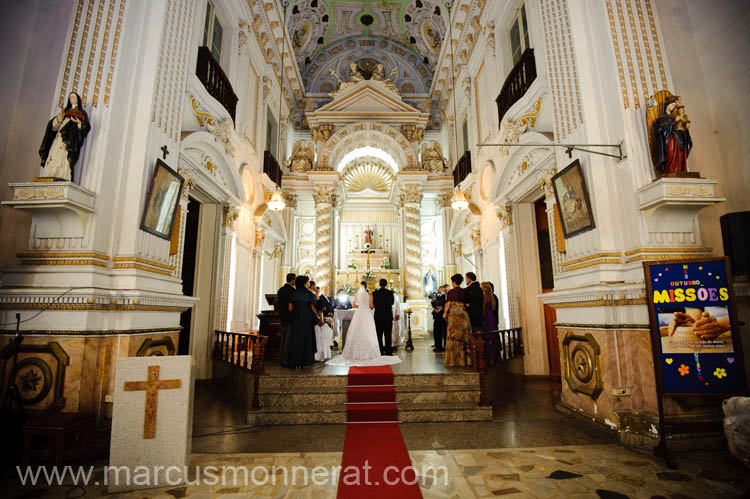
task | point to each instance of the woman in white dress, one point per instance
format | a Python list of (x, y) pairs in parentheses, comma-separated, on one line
[(361, 347)]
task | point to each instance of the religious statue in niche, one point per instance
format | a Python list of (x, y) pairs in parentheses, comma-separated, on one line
[(429, 283), (368, 237), (303, 154), (432, 157), (669, 135), (63, 140)]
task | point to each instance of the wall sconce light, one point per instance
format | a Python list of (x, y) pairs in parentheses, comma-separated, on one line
[(459, 200), (276, 203)]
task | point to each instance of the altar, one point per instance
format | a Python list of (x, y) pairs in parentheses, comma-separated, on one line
[(342, 318)]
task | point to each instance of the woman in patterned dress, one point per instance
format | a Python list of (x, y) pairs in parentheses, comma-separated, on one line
[(457, 346)]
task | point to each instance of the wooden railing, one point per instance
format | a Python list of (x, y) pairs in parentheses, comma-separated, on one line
[(271, 168), (209, 72), (493, 348), (462, 168), (516, 84), (245, 350)]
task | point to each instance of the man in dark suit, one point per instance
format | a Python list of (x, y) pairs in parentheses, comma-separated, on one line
[(283, 296), (438, 321), (475, 299), (341, 302), (324, 302), (383, 302)]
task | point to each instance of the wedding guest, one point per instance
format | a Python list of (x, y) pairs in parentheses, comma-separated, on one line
[(342, 301), (474, 298), (323, 332), (457, 347), (325, 302), (497, 300), (301, 351), (489, 305), (283, 296), (438, 322)]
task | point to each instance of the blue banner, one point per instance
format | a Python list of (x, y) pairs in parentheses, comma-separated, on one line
[(697, 335)]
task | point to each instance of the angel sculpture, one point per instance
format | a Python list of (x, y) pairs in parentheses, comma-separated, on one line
[(303, 154), (668, 134), (432, 157)]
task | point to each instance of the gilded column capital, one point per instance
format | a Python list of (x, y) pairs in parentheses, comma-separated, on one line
[(505, 214), (260, 236), (324, 195), (230, 214), (411, 195), (445, 199), (290, 200)]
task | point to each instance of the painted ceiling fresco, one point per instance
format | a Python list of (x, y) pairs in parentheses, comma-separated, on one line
[(401, 34)]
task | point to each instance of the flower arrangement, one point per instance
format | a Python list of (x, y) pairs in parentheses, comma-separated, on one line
[(352, 265), (386, 263), (369, 274), (348, 288)]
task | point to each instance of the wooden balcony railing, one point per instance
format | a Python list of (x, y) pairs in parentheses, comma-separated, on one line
[(271, 168), (244, 350), (516, 84), (493, 348), (462, 168), (209, 72)]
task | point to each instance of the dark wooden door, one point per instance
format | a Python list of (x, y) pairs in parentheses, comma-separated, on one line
[(548, 284)]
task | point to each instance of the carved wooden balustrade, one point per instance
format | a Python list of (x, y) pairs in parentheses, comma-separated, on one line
[(217, 84), (490, 348), (245, 350), (516, 84), (462, 168), (271, 168)]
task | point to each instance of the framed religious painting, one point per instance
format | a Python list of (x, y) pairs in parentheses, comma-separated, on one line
[(573, 204), (162, 199)]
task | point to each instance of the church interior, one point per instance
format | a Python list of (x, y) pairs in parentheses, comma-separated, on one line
[(549, 195)]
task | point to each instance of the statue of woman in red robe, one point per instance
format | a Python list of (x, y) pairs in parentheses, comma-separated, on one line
[(673, 129)]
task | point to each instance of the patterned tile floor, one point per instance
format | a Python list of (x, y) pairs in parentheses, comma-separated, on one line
[(531, 445), (580, 471)]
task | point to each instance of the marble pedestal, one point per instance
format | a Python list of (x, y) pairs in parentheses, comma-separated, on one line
[(151, 422)]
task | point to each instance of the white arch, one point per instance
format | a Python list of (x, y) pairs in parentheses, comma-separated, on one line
[(364, 134), (367, 151), (214, 170)]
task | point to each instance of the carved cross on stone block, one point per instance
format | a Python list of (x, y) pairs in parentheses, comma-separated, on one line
[(152, 386)]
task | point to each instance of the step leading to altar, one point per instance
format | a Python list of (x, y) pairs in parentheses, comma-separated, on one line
[(321, 399)]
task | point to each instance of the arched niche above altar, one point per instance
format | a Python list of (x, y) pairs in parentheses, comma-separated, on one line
[(359, 135)]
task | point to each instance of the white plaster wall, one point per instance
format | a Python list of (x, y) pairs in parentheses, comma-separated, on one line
[(707, 46), (33, 36)]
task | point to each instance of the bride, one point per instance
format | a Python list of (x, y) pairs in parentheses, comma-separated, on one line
[(361, 347)]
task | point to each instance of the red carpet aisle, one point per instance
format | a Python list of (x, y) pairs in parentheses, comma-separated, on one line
[(373, 435)]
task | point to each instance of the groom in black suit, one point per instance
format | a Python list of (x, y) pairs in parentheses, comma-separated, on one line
[(383, 302)]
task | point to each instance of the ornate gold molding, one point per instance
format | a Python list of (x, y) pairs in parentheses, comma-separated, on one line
[(638, 327), (138, 266), (63, 254), (146, 261), (95, 332), (601, 303), (92, 306), (592, 257), (72, 263)]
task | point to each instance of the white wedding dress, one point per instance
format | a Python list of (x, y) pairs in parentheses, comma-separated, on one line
[(361, 347)]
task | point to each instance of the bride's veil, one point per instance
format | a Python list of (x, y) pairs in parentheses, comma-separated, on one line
[(362, 298)]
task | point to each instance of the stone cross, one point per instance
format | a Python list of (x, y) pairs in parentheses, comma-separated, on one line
[(152, 386), (164, 151)]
